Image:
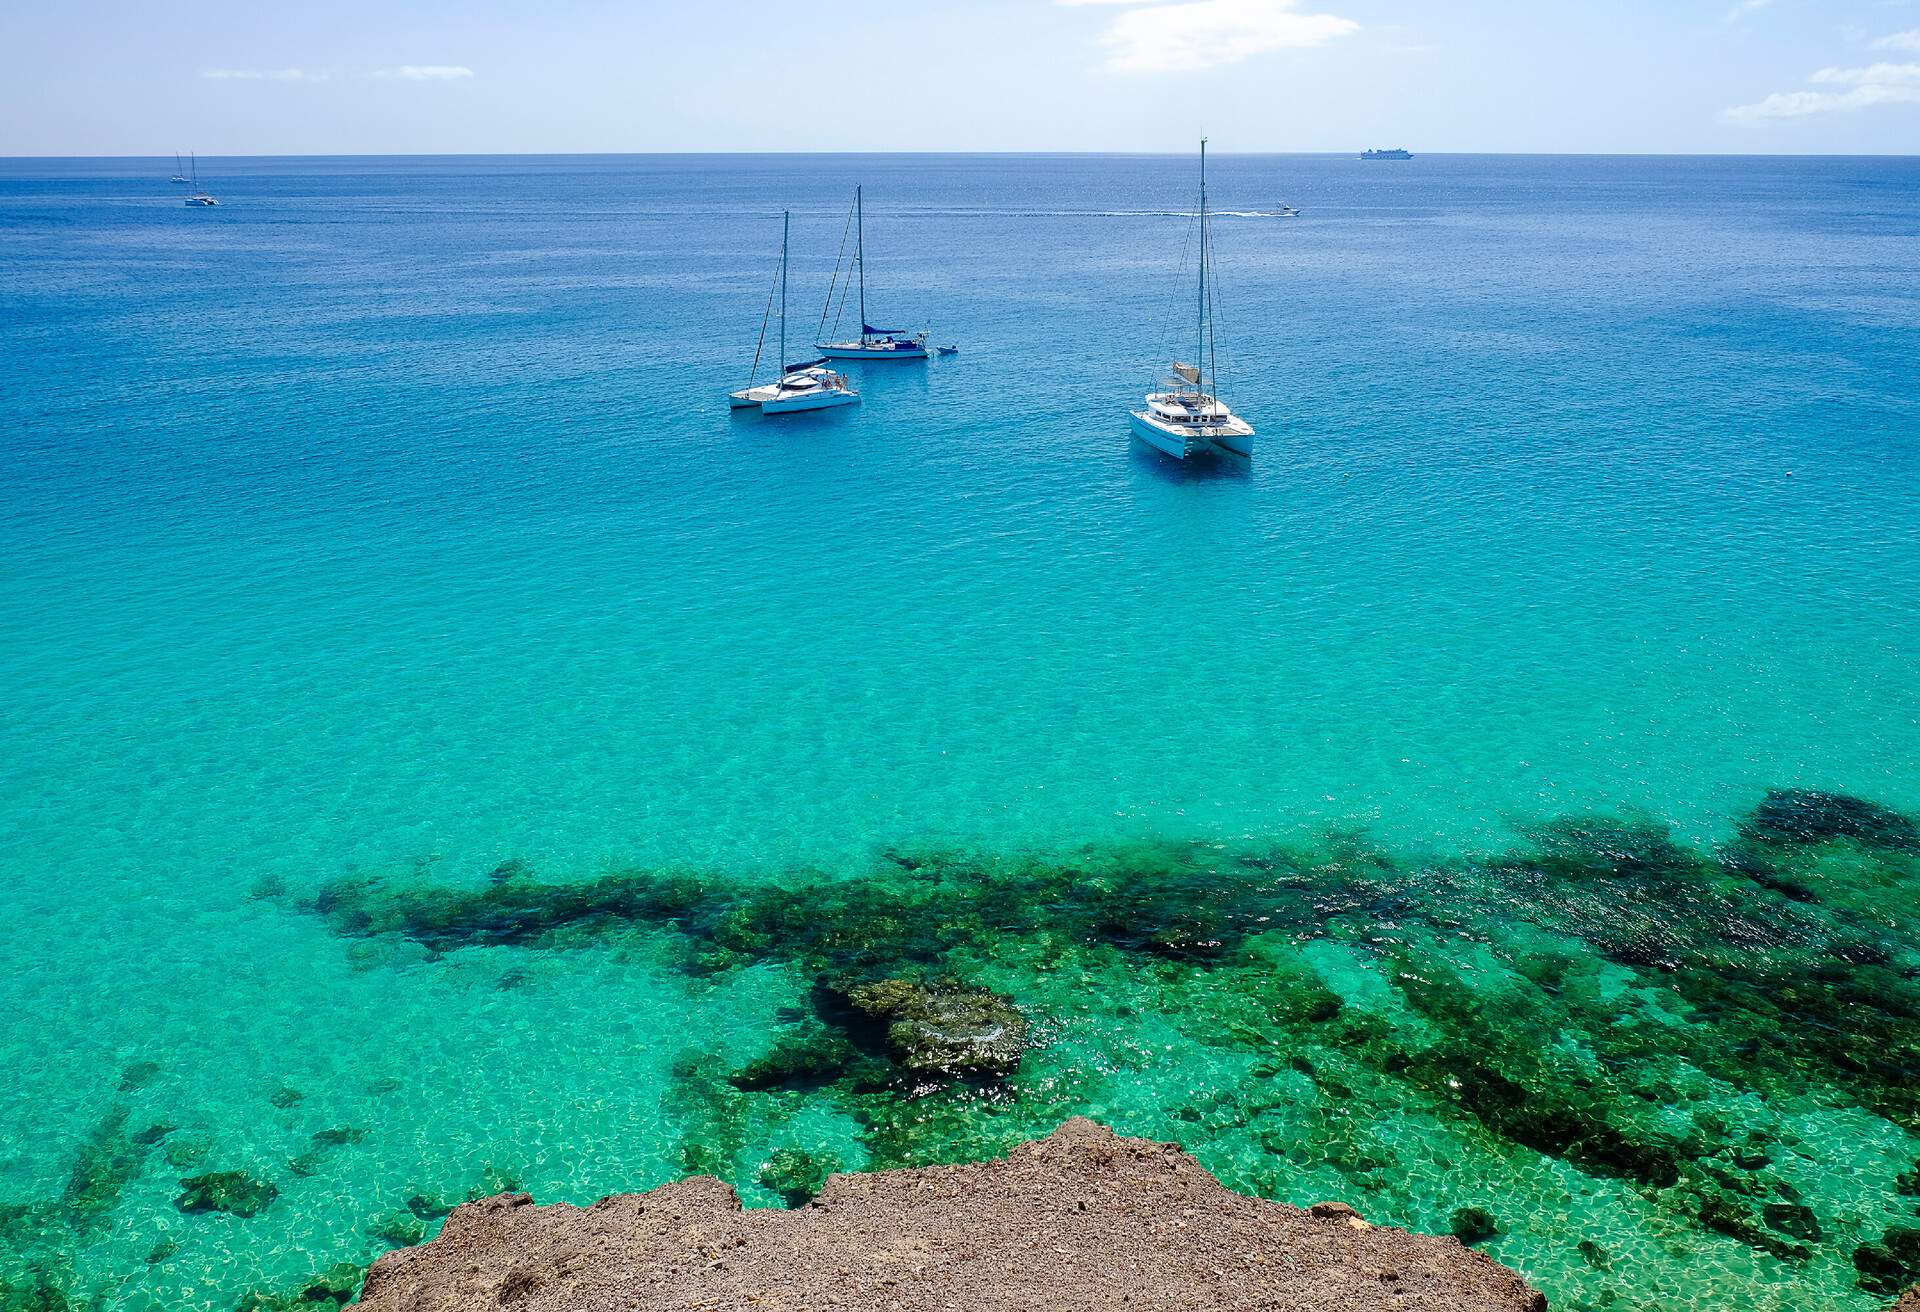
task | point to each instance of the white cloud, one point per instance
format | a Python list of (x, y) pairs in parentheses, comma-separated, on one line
[(262, 75), (1876, 84), (426, 72), (1908, 40), (1190, 35)]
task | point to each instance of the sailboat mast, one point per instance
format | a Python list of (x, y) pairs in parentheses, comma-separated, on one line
[(860, 256), (1200, 349), (786, 227)]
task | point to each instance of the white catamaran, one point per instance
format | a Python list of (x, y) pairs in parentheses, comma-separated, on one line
[(804, 386), (1185, 417), (200, 198), (874, 343), (179, 170)]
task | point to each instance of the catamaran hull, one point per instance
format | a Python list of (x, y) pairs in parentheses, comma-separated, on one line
[(747, 398), (787, 405), (843, 351), (1184, 446)]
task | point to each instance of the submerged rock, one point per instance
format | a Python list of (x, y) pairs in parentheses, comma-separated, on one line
[(1892, 1264), (1473, 1225), (944, 1028), (333, 1288), (233, 1192), (797, 1175), (139, 1075), (1081, 1219), (397, 1228), (1804, 815), (806, 1060)]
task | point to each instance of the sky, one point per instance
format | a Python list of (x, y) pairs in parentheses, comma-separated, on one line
[(241, 77)]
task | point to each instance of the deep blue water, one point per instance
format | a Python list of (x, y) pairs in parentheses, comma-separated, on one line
[(389, 518)]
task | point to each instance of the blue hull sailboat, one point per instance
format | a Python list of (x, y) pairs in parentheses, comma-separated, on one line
[(873, 343), (804, 386), (1185, 417)]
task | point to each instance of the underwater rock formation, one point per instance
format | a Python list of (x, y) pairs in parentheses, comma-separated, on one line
[(1080, 1220), (233, 1192), (944, 1028), (1645, 1012), (1802, 815)]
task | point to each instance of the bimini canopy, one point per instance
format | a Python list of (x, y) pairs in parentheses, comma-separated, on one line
[(805, 364)]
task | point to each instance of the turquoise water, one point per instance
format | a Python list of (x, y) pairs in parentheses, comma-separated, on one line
[(386, 525)]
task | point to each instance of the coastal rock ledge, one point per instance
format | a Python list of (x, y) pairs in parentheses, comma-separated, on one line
[(1082, 1219)]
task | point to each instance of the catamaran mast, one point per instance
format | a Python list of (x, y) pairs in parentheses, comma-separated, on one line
[(860, 256), (786, 226), (1200, 353)]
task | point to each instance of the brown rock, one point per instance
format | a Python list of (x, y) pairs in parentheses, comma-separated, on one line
[(1909, 1301), (1077, 1222)]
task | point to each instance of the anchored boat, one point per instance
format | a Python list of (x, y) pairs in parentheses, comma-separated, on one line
[(200, 198), (803, 386), (1185, 417), (873, 343)]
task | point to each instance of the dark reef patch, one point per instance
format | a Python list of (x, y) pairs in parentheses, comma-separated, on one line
[(1802, 815), (335, 1287), (1579, 996), (233, 1192)]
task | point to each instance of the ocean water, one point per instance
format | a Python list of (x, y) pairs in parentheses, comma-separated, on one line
[(446, 748)]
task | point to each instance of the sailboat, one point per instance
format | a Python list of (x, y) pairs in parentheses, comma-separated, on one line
[(803, 386), (179, 170), (874, 343), (199, 197), (1185, 417)]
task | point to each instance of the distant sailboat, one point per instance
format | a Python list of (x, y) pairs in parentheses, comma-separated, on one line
[(873, 343), (1185, 418), (803, 386), (179, 170), (199, 198)]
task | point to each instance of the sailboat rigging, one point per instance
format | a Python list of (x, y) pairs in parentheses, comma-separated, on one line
[(803, 386), (1186, 417), (873, 343), (200, 197)]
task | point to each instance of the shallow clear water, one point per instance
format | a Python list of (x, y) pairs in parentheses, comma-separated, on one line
[(387, 523)]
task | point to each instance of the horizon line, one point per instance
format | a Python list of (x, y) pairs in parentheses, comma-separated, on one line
[(1084, 154)]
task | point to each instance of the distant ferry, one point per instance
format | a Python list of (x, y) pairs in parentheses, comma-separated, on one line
[(1386, 154)]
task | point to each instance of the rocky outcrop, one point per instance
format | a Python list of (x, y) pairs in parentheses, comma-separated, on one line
[(1081, 1220), (1909, 1301), (945, 1028)]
